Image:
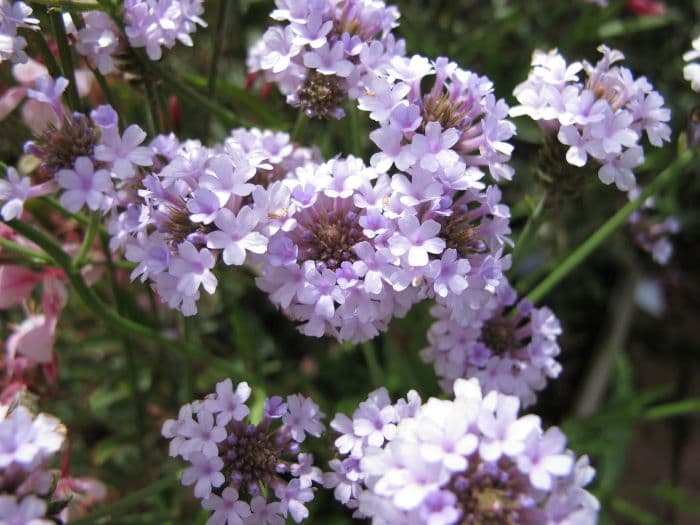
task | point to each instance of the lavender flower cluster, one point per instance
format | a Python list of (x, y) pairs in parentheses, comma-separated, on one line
[(154, 24), (85, 156), (27, 444), (244, 472), (604, 117), (467, 460), (326, 51), (13, 16), (199, 203), (509, 345)]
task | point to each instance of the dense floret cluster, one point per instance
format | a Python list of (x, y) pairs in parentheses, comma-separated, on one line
[(467, 460), (242, 471), (509, 345), (326, 51), (27, 444), (154, 24), (13, 16), (604, 116)]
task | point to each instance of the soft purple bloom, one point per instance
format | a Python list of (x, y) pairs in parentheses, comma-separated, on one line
[(84, 186), (204, 473), (303, 416), (229, 404), (49, 91), (193, 267), (124, 153), (417, 240), (228, 509)]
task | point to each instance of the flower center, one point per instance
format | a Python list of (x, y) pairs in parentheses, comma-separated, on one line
[(498, 334), (251, 455), (60, 147), (441, 109), (330, 240), (321, 95), (461, 235), (485, 499)]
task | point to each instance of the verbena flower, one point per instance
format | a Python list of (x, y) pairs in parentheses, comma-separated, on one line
[(155, 24), (326, 51), (603, 117), (16, 190), (98, 40), (14, 15), (467, 460), (27, 444), (509, 345), (244, 472), (457, 119), (196, 204)]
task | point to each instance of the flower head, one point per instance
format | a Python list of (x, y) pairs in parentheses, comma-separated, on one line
[(231, 460)]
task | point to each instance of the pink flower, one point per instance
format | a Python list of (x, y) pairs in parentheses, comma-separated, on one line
[(16, 283), (33, 338)]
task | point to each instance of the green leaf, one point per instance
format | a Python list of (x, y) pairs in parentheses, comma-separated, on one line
[(241, 99), (636, 514), (677, 498), (617, 28), (676, 408)]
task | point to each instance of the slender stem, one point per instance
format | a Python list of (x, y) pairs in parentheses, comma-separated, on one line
[(88, 241), (607, 229), (375, 370), (104, 86), (23, 250), (299, 126), (42, 47), (217, 46), (119, 507), (80, 5), (151, 105), (64, 53), (527, 231), (355, 133), (597, 379)]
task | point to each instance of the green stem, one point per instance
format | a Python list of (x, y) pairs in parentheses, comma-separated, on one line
[(527, 231), (299, 126), (217, 46), (355, 134), (607, 229), (376, 373), (104, 86), (23, 250), (119, 507), (64, 53), (151, 105), (42, 47), (88, 241), (80, 5)]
